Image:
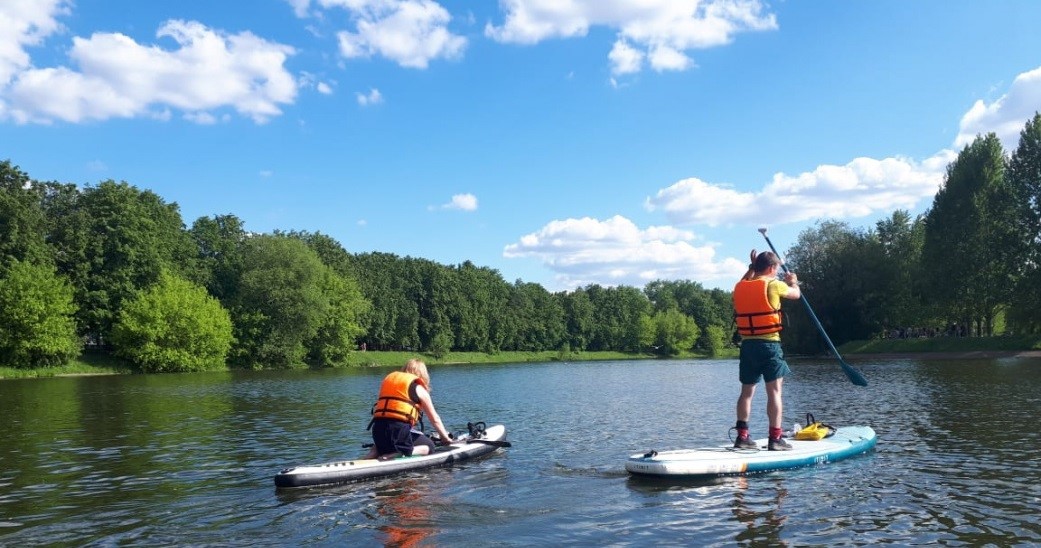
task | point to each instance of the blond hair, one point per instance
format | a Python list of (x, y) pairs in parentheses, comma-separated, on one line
[(419, 369)]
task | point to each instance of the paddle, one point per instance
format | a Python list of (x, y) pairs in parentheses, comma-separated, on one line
[(492, 442), (856, 377)]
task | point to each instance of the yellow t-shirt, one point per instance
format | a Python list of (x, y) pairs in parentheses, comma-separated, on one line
[(775, 290)]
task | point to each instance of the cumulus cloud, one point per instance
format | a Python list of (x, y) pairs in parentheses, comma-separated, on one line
[(616, 252), (119, 78), (411, 33), (22, 25), (373, 97), (462, 202), (656, 32), (862, 187), (1006, 116)]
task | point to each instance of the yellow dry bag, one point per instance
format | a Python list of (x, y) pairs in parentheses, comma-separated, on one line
[(814, 430)]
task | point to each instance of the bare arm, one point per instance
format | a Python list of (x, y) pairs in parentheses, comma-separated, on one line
[(793, 286), (427, 405)]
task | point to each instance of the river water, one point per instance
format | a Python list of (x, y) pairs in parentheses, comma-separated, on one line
[(164, 460)]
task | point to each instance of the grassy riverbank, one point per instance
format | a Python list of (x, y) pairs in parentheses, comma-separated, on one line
[(92, 363), (1022, 343)]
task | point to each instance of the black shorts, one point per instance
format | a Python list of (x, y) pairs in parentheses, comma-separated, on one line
[(391, 436)]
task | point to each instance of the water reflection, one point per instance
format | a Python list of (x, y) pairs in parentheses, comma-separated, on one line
[(760, 511), (189, 460), (405, 513)]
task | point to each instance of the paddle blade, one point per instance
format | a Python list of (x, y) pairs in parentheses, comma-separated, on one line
[(494, 443), (855, 377)]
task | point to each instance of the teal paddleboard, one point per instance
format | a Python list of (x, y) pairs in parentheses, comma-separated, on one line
[(725, 460)]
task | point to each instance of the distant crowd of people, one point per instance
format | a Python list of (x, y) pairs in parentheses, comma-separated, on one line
[(952, 330)]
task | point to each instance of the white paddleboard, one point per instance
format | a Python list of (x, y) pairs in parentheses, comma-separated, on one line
[(725, 460), (467, 447)]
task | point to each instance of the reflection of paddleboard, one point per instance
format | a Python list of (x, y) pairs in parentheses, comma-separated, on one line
[(726, 461), (466, 447)]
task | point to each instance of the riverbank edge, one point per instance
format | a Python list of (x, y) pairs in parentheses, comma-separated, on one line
[(930, 355), (97, 364)]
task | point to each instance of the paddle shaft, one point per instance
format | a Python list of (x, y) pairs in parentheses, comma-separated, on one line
[(854, 376)]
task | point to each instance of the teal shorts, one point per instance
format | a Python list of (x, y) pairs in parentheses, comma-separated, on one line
[(761, 359)]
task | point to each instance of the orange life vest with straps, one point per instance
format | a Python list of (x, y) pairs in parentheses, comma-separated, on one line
[(394, 401), (752, 310)]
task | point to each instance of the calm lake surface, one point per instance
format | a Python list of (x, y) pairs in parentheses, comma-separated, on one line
[(189, 459)]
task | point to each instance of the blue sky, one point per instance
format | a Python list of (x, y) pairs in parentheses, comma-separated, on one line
[(559, 142)]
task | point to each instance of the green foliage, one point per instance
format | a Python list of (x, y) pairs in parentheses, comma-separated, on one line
[(289, 307), (1024, 175), (22, 227), (36, 317), (112, 241), (972, 225), (173, 326), (669, 332), (714, 340)]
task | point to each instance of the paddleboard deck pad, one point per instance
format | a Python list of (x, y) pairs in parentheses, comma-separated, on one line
[(465, 446), (725, 460)]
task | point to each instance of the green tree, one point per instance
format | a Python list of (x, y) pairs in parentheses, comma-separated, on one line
[(617, 314), (112, 241), (972, 224), (706, 308), (37, 328), (1024, 178), (289, 307), (219, 240), (173, 326), (22, 226), (840, 271), (668, 332), (578, 318)]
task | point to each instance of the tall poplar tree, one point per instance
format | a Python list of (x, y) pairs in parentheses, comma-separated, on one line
[(971, 237), (1024, 176)]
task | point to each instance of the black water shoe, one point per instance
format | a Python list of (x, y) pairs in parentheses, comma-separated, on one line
[(745, 443), (779, 445)]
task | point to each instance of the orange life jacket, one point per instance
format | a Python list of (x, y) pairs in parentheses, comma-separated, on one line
[(752, 310), (394, 401)]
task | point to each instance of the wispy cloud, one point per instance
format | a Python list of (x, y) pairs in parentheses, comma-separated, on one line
[(462, 202), (373, 97), (654, 33)]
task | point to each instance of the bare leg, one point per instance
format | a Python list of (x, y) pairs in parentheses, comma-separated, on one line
[(744, 402), (774, 404)]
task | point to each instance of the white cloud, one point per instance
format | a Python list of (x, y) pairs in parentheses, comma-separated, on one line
[(120, 78), (1007, 116), (411, 33), (373, 97), (617, 252), (862, 187), (462, 202), (23, 24), (324, 89), (659, 31)]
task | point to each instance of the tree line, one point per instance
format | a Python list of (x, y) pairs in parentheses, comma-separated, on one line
[(970, 265), (114, 267)]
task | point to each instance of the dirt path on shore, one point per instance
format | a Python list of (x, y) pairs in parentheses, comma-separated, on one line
[(973, 355)]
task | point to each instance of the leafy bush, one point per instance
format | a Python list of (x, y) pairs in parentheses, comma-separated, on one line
[(174, 326)]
